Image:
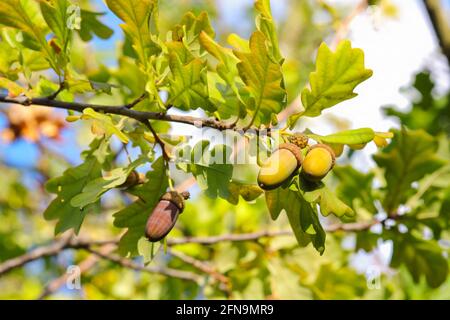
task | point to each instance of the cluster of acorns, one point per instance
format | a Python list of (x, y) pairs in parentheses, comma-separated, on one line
[(314, 161)]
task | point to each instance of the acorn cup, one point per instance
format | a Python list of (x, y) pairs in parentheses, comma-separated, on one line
[(318, 162), (133, 179), (299, 139), (165, 215), (280, 166)]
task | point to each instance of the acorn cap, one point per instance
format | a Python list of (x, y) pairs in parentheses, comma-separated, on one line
[(299, 139), (328, 148), (295, 150), (176, 198)]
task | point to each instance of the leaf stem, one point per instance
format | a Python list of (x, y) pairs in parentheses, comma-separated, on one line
[(158, 140)]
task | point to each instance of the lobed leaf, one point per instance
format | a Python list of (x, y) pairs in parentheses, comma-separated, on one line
[(189, 84), (137, 15), (134, 217), (266, 24), (69, 185), (302, 216), (410, 157), (24, 15), (211, 168), (337, 75), (263, 79)]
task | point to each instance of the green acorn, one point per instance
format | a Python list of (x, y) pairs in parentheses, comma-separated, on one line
[(318, 162), (280, 166)]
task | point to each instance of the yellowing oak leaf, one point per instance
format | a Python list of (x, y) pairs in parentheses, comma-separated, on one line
[(263, 79)]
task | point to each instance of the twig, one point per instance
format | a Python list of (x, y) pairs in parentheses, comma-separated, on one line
[(55, 94), (158, 140), (440, 25), (83, 266), (79, 243), (121, 110), (228, 237), (130, 264), (41, 252), (135, 102), (204, 267), (348, 227)]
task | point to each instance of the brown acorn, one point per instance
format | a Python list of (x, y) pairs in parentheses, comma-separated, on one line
[(165, 215)]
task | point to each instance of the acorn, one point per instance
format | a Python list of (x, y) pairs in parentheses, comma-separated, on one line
[(165, 215), (280, 166), (299, 139), (133, 179), (318, 162)]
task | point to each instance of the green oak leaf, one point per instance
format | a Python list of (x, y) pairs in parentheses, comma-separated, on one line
[(302, 216), (230, 92), (422, 258), (106, 123), (345, 283), (190, 28), (355, 187), (137, 15), (263, 79), (337, 75), (356, 136), (410, 157), (189, 84), (69, 185), (329, 203), (91, 25), (96, 188), (134, 217), (248, 192), (24, 15), (211, 168), (266, 24), (56, 15)]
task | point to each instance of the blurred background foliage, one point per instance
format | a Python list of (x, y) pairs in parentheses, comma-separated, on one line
[(405, 257)]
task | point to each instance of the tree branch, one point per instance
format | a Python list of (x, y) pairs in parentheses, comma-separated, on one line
[(55, 94), (440, 25), (84, 266), (124, 110), (135, 102), (130, 264), (204, 267), (70, 242), (42, 252)]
